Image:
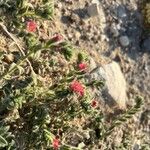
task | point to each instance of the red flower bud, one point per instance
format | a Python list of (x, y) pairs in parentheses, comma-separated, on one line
[(77, 87), (94, 103), (57, 38), (31, 26), (82, 66), (55, 143)]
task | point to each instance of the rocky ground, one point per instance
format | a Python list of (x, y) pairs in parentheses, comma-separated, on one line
[(112, 31)]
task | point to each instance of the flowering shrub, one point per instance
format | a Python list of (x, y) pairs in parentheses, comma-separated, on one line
[(44, 102)]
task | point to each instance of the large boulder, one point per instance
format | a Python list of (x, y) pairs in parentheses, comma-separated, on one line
[(114, 92)]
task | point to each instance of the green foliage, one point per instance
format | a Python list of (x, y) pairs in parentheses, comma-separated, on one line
[(24, 8), (3, 142), (6, 138), (124, 117), (82, 57), (45, 11)]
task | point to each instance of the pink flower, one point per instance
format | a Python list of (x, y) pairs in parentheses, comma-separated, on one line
[(57, 38), (94, 103), (55, 143), (31, 26), (77, 87), (82, 66)]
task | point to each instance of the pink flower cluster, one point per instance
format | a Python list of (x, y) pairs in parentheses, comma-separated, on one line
[(57, 38), (55, 143), (82, 66), (31, 26), (77, 87)]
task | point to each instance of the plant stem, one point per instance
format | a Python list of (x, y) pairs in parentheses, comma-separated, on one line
[(18, 64)]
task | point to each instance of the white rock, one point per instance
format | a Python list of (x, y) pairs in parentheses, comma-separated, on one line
[(103, 37), (77, 35), (96, 2), (114, 31), (115, 91), (81, 145), (92, 63)]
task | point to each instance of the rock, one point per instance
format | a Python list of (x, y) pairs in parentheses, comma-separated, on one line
[(121, 12), (104, 38), (146, 44), (114, 31), (70, 36), (92, 63), (81, 145), (77, 35), (136, 147), (124, 41), (93, 10), (96, 2), (114, 92)]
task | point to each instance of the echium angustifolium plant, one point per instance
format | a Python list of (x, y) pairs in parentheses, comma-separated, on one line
[(45, 99)]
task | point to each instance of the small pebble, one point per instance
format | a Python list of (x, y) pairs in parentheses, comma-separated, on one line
[(124, 41), (136, 147), (77, 35), (121, 12), (114, 31), (96, 2)]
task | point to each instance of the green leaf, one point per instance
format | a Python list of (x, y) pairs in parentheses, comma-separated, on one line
[(36, 55), (23, 10), (67, 53), (3, 142), (20, 69), (49, 135), (4, 130)]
